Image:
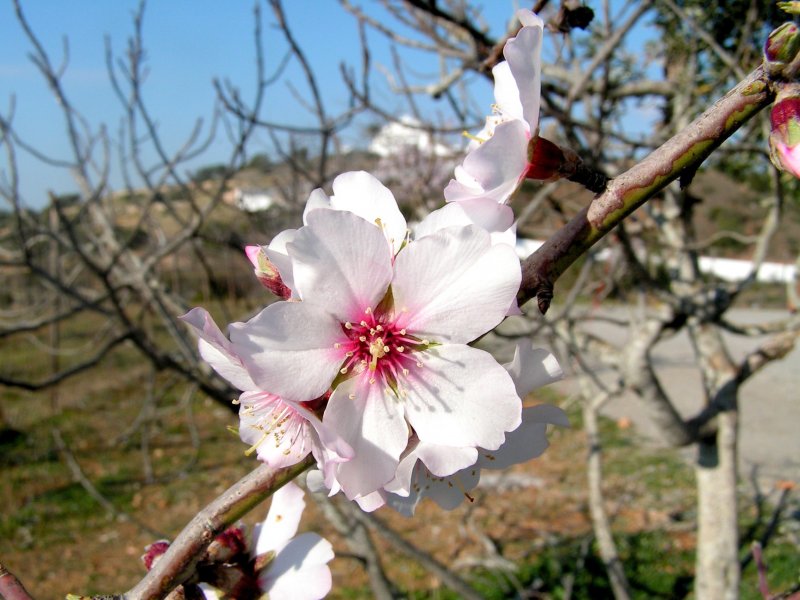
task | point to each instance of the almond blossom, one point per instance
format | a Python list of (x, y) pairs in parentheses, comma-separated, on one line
[(279, 565), (388, 332), (280, 431), (496, 167)]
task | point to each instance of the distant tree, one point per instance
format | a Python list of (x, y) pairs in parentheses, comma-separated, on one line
[(210, 173)]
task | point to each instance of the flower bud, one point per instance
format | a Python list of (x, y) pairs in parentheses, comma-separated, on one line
[(784, 138), (548, 161), (227, 545), (266, 272), (781, 51), (153, 552)]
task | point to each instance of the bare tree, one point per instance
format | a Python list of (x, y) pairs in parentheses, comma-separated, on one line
[(128, 280)]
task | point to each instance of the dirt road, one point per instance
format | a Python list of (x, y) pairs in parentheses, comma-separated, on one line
[(769, 401)]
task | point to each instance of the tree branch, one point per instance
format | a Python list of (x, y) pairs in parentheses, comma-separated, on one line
[(681, 154)]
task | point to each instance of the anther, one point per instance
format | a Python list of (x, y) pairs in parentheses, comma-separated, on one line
[(343, 370), (363, 323), (368, 310), (402, 332), (469, 136), (379, 327), (362, 338), (401, 348), (352, 396), (337, 345), (371, 380), (348, 325)]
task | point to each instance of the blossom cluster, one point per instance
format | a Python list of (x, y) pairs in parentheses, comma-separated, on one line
[(366, 362)]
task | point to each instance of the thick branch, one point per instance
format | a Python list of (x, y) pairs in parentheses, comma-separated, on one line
[(681, 154)]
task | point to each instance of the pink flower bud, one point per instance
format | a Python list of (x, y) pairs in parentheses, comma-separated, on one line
[(266, 272), (153, 552), (227, 545), (784, 138), (548, 161)]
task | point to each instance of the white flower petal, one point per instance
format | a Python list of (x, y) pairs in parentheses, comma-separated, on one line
[(445, 460), (497, 219), (371, 502), (448, 492), (453, 285), (532, 368), (460, 397), (372, 423), (217, 351), (336, 448), (498, 165), (526, 442), (315, 482), (524, 56), (300, 570), (288, 349), (401, 483), (506, 92), (317, 199), (341, 262), (405, 505), (282, 520), (278, 256), (362, 194)]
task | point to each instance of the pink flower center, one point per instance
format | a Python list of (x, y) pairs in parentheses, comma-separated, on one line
[(379, 348)]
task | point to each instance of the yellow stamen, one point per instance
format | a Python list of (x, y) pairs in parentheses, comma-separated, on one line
[(253, 448), (474, 138)]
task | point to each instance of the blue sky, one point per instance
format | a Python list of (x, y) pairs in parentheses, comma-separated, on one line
[(188, 43)]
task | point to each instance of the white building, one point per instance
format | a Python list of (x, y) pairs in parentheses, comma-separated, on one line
[(408, 133)]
